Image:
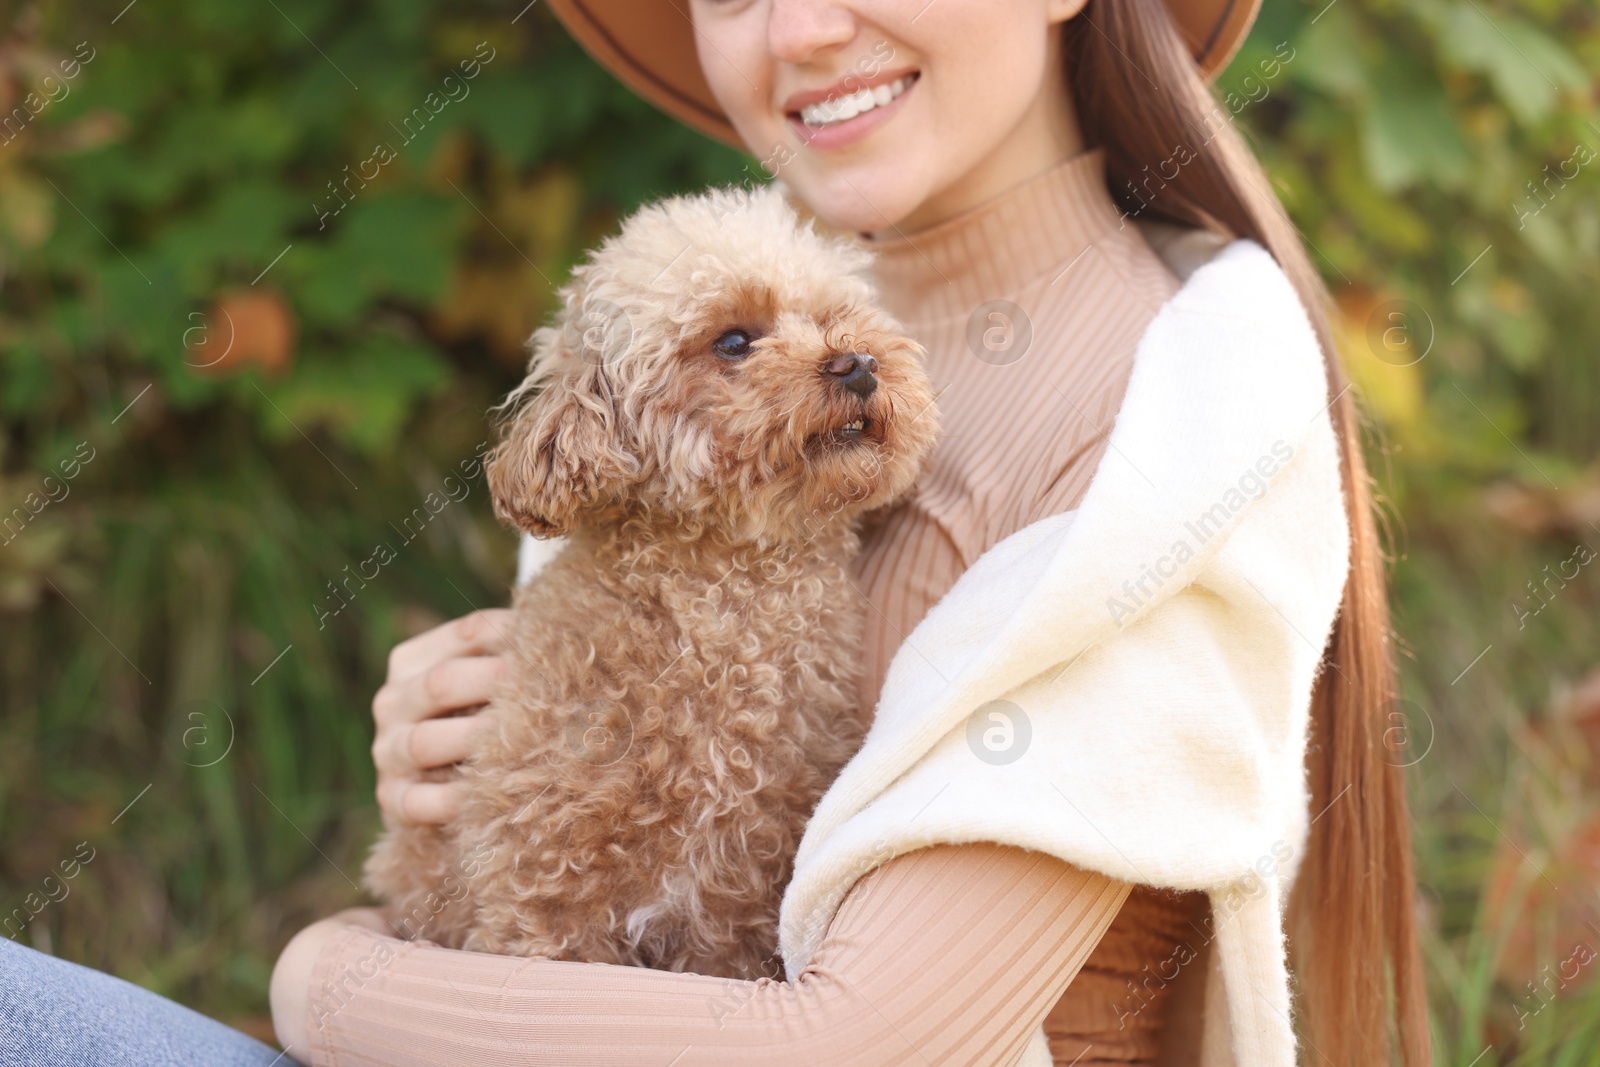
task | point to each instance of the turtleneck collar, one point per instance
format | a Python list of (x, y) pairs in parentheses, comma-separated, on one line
[(996, 248)]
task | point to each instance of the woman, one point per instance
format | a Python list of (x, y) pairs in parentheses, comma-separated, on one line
[(999, 148), (1006, 164)]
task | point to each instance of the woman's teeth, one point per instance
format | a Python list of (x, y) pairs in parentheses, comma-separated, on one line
[(844, 108)]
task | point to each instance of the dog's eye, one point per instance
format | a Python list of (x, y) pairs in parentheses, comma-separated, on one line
[(735, 344)]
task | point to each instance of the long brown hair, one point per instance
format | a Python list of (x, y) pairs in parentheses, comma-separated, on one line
[(1351, 916)]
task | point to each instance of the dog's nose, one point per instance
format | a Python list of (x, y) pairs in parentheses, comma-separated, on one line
[(856, 371)]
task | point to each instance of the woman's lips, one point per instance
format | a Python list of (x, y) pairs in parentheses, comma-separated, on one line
[(850, 83), (840, 134)]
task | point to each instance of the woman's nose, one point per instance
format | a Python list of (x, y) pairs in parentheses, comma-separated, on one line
[(856, 371), (799, 29)]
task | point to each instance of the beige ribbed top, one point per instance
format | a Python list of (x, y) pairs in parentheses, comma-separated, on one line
[(950, 955), (1030, 308)]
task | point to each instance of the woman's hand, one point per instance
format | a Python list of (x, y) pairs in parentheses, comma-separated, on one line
[(290, 990), (450, 668)]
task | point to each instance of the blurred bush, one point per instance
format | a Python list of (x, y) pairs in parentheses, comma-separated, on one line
[(268, 265), (263, 269)]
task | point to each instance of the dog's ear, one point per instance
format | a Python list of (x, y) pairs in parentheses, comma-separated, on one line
[(561, 451)]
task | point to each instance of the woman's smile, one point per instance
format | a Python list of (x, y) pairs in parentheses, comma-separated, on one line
[(843, 114), (892, 114)]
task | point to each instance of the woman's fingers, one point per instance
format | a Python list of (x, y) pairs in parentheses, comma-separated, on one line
[(449, 668), (407, 800), (479, 634), (463, 682), (406, 748)]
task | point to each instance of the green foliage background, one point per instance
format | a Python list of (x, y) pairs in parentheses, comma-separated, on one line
[(169, 610)]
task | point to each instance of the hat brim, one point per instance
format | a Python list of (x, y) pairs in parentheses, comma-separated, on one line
[(649, 46)]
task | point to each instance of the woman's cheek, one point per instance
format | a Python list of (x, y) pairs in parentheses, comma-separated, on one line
[(742, 88)]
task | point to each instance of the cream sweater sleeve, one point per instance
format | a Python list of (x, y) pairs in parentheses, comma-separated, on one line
[(949, 955)]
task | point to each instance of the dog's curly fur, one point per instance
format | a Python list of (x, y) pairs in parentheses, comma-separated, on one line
[(682, 684)]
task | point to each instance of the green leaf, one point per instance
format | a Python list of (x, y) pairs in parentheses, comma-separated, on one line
[(362, 397), (1527, 69), (1409, 133), (1328, 55), (1385, 219), (243, 226), (146, 305), (392, 245), (525, 111), (27, 378)]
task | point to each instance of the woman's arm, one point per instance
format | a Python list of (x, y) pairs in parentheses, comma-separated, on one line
[(948, 955), (962, 949)]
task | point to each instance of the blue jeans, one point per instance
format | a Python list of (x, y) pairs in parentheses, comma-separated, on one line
[(58, 1014)]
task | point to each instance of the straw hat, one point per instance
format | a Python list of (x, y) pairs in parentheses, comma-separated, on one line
[(649, 44)]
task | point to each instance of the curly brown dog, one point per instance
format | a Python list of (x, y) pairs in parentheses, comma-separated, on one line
[(718, 402)]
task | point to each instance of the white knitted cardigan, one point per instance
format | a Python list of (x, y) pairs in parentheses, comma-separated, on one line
[(1127, 686)]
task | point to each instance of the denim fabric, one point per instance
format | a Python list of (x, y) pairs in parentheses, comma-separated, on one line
[(58, 1014)]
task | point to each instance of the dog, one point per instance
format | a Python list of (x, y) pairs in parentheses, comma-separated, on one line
[(716, 404)]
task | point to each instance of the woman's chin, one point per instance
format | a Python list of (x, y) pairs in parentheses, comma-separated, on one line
[(860, 199)]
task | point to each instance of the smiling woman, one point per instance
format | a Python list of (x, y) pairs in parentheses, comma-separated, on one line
[(1050, 809), (982, 152), (958, 130)]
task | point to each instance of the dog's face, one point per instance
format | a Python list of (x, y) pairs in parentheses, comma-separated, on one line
[(716, 365)]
